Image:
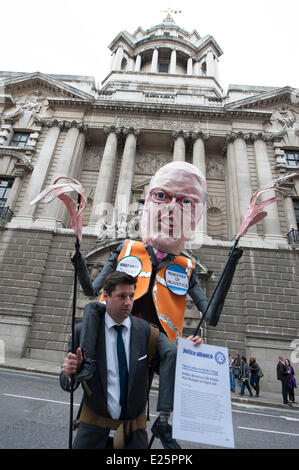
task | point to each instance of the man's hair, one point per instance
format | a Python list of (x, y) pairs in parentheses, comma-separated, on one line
[(116, 278)]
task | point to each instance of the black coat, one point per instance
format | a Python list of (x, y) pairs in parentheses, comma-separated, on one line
[(282, 371), (95, 394)]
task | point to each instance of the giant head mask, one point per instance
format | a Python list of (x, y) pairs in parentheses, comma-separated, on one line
[(173, 206)]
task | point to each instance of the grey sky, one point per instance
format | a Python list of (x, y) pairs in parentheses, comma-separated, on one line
[(259, 38)]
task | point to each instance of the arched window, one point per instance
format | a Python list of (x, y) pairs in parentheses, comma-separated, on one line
[(123, 64)]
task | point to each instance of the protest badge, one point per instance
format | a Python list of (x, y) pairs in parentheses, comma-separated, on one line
[(176, 279), (130, 265), (202, 403)]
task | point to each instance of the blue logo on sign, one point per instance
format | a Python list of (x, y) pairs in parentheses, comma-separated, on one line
[(220, 358)]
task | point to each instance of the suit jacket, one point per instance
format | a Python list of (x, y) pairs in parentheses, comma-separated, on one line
[(282, 371), (195, 291), (95, 393)]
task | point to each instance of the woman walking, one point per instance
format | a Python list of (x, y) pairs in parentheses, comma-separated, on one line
[(292, 381), (237, 370), (254, 377)]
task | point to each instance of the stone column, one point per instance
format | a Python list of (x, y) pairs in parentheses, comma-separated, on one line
[(179, 148), (173, 62), (154, 66), (131, 64), (112, 61), (190, 66), (123, 193), (243, 180), (210, 64), (137, 63), (118, 58), (40, 172), (271, 223), (105, 181), (197, 69), (232, 187), (68, 160), (199, 160)]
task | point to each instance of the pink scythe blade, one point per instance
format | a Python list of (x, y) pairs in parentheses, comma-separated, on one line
[(76, 210), (60, 190), (255, 211)]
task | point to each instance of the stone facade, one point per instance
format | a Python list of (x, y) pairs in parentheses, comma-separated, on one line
[(161, 101)]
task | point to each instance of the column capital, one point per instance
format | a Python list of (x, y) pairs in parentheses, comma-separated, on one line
[(253, 137), (63, 125), (199, 135), (181, 133), (130, 130), (108, 129), (232, 136)]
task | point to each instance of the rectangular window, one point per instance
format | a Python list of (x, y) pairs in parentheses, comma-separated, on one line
[(163, 68), (292, 157), (5, 187), (296, 210), (19, 139)]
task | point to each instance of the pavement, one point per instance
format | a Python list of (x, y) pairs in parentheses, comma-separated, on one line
[(265, 398)]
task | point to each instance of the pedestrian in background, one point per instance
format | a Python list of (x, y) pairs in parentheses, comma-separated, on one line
[(245, 377), (283, 375), (292, 381), (254, 369), (237, 369), (231, 375)]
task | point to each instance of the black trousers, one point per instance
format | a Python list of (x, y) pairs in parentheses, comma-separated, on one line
[(292, 394), (285, 390)]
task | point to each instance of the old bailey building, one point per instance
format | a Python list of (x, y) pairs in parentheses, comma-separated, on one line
[(161, 101)]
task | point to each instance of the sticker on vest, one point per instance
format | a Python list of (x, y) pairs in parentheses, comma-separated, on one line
[(130, 265), (176, 279)]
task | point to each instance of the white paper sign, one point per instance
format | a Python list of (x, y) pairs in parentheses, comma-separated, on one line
[(202, 403)]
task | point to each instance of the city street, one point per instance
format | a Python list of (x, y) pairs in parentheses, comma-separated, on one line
[(35, 415)]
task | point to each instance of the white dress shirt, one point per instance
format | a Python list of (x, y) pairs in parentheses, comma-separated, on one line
[(113, 389)]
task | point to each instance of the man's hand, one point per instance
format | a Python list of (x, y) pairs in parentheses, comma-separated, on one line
[(72, 363), (196, 340)]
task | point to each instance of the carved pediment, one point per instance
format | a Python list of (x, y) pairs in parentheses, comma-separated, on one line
[(14, 162), (267, 100), (48, 86)]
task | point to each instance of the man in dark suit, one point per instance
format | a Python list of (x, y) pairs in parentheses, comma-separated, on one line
[(113, 411), (114, 401), (283, 376)]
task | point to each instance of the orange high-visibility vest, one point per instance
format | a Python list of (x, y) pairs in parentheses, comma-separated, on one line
[(169, 306)]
